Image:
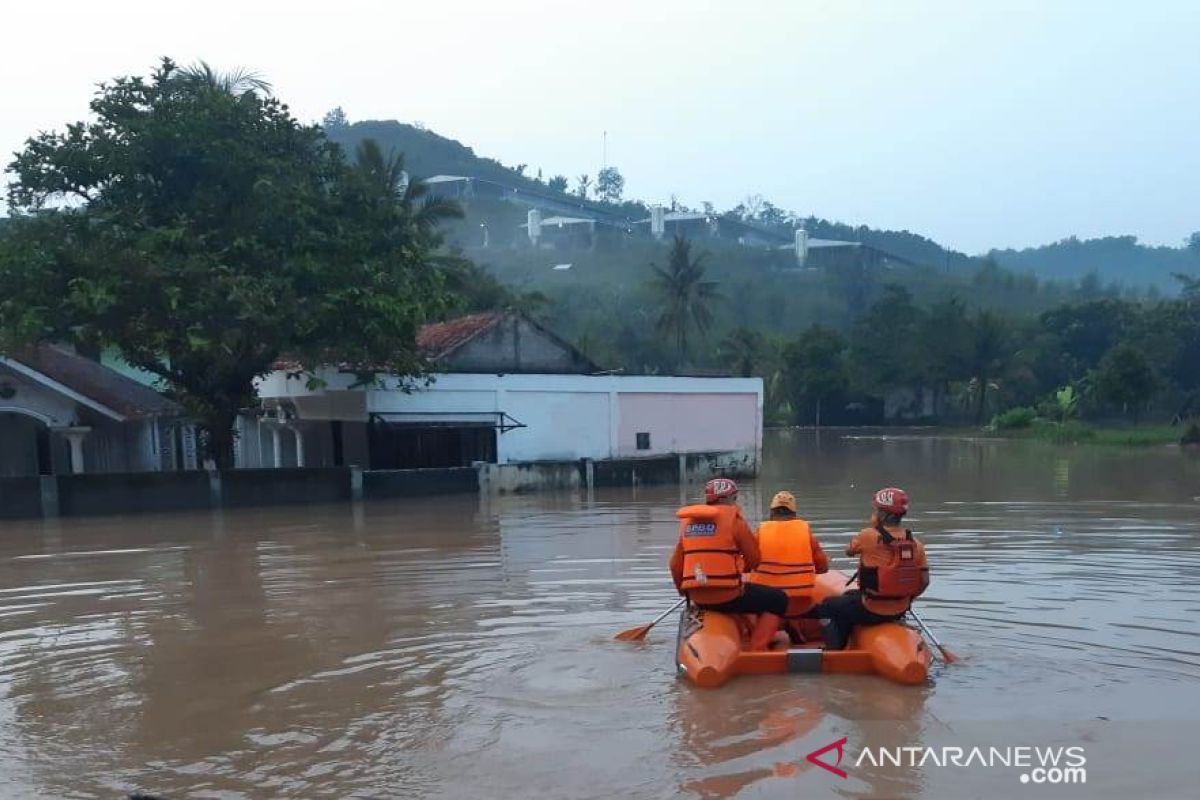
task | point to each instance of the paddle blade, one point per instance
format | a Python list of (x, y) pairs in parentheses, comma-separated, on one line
[(634, 634), (947, 656)]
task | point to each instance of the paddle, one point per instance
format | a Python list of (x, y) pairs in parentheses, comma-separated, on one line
[(639, 633), (947, 656)]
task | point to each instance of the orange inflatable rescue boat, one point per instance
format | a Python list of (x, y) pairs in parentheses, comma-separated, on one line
[(711, 647)]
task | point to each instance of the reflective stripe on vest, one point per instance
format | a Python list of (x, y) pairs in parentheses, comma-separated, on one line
[(710, 552), (785, 548)]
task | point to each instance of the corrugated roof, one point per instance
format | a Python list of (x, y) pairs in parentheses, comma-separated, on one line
[(96, 382), (830, 243), (551, 222), (680, 216)]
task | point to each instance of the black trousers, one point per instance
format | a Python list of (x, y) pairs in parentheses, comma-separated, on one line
[(843, 613), (755, 600)]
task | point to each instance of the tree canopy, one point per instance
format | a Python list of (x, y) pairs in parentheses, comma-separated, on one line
[(196, 226)]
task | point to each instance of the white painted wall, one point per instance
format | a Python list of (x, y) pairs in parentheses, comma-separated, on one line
[(687, 423), (36, 400), (561, 426), (568, 417), (110, 446)]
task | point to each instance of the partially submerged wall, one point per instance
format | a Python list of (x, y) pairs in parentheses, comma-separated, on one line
[(140, 492)]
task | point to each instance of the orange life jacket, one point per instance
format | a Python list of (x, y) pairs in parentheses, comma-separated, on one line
[(900, 578), (712, 566), (786, 557)]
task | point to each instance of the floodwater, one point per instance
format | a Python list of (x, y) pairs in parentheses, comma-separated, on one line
[(462, 647)]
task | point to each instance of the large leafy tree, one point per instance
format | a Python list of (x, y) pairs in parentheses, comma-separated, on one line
[(610, 184), (194, 225), (943, 334), (1087, 331), (885, 344), (685, 296), (815, 368), (1125, 379)]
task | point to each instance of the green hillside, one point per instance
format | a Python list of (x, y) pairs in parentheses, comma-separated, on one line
[(427, 153), (1119, 259), (1114, 258)]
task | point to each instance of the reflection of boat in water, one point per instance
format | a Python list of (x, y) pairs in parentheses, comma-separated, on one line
[(711, 647), (734, 741)]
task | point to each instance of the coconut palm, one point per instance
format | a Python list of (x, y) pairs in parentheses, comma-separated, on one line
[(988, 355), (741, 351), (686, 297), (236, 82), (389, 182)]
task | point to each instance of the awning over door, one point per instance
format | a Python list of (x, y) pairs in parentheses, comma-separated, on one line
[(499, 420)]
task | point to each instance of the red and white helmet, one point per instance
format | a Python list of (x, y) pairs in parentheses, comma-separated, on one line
[(891, 500), (719, 488)]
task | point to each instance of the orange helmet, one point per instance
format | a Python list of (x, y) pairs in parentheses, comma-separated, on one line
[(891, 500), (719, 488)]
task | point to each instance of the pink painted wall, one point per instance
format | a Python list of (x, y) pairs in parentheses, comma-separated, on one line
[(683, 423)]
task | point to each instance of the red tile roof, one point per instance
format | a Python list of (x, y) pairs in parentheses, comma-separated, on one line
[(96, 382), (442, 338), (437, 340)]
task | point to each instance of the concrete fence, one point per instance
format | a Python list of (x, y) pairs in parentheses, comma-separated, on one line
[(148, 492)]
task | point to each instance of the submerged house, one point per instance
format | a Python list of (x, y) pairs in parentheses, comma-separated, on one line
[(505, 390), (63, 413)]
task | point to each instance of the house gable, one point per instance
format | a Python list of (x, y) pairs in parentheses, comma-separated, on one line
[(515, 344)]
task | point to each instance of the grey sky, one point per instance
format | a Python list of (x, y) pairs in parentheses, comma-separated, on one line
[(978, 124)]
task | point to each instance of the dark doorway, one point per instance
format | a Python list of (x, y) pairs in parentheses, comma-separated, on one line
[(339, 449), (45, 455), (422, 446)]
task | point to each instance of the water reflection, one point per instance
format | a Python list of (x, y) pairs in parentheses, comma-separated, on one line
[(444, 647)]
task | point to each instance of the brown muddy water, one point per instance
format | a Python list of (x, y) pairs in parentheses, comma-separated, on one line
[(462, 647)]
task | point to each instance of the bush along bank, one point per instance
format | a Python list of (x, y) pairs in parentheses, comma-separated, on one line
[(1024, 423)]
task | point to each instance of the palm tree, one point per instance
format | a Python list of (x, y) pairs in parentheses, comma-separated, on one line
[(236, 82), (987, 356), (685, 295), (741, 351), (386, 173), (389, 182)]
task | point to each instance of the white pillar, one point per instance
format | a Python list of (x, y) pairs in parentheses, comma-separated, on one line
[(801, 247), (299, 446), (75, 437), (658, 224), (534, 224), (614, 421), (276, 449)]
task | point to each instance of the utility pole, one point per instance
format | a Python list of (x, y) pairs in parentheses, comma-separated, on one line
[(604, 152)]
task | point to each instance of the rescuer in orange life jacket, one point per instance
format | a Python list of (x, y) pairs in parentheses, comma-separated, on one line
[(715, 546), (790, 556), (891, 572)]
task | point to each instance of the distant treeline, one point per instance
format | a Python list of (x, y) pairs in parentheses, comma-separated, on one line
[(1113, 258), (1119, 259)]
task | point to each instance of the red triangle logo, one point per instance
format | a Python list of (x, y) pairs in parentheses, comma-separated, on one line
[(814, 757)]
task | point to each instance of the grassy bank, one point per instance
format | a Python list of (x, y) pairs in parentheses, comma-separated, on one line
[(1074, 432)]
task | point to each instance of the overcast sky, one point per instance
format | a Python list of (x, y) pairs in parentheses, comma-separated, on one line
[(979, 124)]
